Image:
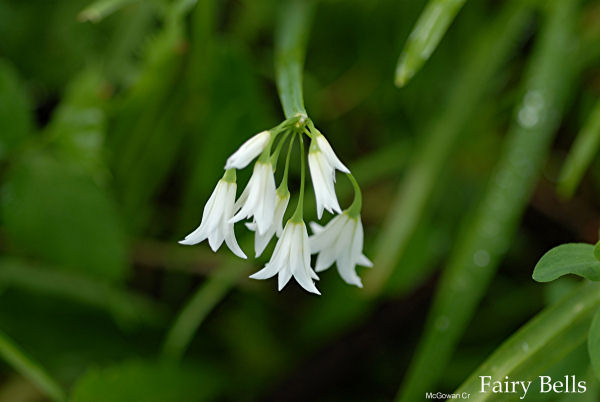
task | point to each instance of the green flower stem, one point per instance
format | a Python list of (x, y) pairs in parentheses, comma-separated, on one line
[(584, 148), (230, 176), (481, 246), (283, 187), (355, 207), (544, 340), (425, 36), (30, 369), (487, 53), (208, 295), (299, 212), (275, 155), (290, 49)]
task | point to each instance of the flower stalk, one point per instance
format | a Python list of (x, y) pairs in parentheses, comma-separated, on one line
[(341, 241)]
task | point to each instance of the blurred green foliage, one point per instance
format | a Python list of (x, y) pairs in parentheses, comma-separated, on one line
[(116, 119)]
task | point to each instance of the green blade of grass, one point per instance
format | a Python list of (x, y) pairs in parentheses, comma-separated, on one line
[(544, 340), (478, 251), (581, 154), (425, 36), (487, 54), (127, 308), (208, 295), (290, 49), (30, 369)]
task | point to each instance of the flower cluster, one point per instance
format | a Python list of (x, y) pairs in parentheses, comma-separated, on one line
[(340, 241)]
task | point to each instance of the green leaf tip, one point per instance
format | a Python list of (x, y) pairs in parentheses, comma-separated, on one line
[(572, 258), (403, 73), (425, 37)]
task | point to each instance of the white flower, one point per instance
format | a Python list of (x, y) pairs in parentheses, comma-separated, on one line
[(248, 151), (258, 198), (261, 240), (323, 162), (340, 241), (291, 258), (216, 225)]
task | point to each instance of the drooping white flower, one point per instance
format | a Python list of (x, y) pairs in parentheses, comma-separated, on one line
[(261, 240), (258, 198), (216, 222), (248, 151), (323, 162), (291, 258), (341, 241)]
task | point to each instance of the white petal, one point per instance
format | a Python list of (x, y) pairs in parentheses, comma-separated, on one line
[(364, 261), (210, 216), (266, 207), (284, 277), (261, 196), (322, 177), (216, 237), (317, 182), (305, 280), (338, 239), (316, 228), (233, 245), (327, 236), (330, 155), (348, 274), (300, 269), (267, 272), (248, 151), (195, 237), (261, 241), (306, 253)]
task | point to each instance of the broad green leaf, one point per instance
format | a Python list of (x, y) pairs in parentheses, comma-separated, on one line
[(15, 114), (573, 258), (145, 381), (63, 218), (597, 251), (594, 343)]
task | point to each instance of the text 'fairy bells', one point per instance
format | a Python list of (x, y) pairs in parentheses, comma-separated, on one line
[(340, 241)]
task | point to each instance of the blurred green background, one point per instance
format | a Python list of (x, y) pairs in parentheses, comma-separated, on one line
[(114, 131)]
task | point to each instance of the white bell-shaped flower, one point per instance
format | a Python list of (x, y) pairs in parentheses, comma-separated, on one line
[(248, 151), (216, 225), (291, 258), (276, 228), (341, 241), (258, 198), (323, 162)]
